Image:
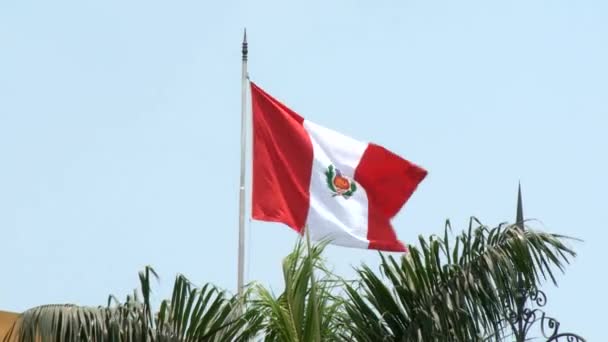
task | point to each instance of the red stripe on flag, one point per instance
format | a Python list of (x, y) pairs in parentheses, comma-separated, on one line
[(282, 162), (389, 181)]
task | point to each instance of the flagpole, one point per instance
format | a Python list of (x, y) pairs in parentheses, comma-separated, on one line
[(241, 254)]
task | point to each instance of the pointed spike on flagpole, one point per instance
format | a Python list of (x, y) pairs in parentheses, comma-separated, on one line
[(245, 50), (519, 220)]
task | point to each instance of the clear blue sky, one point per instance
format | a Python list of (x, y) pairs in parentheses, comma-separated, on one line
[(119, 131)]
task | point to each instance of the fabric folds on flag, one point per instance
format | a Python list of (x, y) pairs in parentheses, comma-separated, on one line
[(341, 189)]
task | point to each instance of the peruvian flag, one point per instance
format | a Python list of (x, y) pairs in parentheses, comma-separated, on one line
[(339, 188)]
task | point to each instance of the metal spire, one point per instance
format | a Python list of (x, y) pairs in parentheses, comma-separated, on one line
[(524, 316), (519, 220), (521, 298)]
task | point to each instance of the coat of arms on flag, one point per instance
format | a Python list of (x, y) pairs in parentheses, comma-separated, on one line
[(339, 184)]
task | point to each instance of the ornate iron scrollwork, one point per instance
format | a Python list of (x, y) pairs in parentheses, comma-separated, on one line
[(523, 318)]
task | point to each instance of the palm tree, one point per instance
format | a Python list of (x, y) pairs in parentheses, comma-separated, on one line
[(306, 310), (448, 288), (451, 289), (192, 314)]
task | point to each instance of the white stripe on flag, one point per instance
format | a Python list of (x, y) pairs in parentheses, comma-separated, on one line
[(344, 221)]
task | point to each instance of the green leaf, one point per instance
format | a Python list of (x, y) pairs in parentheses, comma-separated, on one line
[(444, 291), (329, 176)]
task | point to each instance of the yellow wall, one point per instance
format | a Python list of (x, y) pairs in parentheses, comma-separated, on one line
[(6, 321)]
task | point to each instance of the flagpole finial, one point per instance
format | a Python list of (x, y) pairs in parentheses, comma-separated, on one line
[(245, 50), (519, 220)]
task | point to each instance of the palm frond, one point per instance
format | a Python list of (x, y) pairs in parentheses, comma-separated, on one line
[(306, 310), (201, 314), (76, 323), (192, 314), (452, 290)]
